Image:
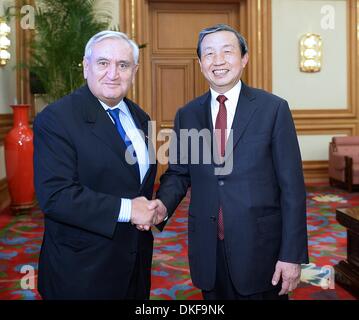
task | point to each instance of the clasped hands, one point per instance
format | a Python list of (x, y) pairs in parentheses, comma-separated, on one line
[(146, 213)]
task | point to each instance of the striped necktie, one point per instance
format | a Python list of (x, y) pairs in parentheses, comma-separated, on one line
[(115, 115)]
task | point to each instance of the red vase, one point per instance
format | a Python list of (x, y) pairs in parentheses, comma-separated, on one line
[(19, 150)]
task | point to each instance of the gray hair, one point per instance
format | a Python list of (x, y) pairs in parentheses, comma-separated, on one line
[(222, 27), (113, 35)]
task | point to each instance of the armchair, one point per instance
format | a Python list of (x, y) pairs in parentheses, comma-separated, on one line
[(344, 162)]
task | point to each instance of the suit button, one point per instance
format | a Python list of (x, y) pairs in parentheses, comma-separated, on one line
[(213, 218), (220, 183)]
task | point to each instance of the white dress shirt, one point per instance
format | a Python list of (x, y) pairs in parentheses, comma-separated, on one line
[(231, 105), (140, 147)]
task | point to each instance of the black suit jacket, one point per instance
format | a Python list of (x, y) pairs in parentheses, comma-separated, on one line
[(80, 177), (262, 197)]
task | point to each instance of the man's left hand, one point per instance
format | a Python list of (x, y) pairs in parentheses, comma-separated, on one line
[(290, 273)]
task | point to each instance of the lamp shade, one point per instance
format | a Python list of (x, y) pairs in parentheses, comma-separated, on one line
[(4, 42), (4, 28)]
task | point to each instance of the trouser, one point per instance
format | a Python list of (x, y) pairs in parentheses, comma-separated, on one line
[(224, 288)]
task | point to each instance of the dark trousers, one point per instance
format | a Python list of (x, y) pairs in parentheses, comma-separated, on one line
[(224, 288), (140, 284)]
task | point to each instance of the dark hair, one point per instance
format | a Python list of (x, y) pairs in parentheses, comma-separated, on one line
[(222, 27)]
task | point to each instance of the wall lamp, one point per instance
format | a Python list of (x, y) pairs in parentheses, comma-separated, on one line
[(4, 42), (310, 52)]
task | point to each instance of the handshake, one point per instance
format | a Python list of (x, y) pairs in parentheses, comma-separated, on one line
[(146, 213)]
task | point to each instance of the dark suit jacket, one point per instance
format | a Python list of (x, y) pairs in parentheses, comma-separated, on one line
[(263, 198), (80, 177)]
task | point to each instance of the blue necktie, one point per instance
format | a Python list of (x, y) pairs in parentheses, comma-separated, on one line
[(115, 115)]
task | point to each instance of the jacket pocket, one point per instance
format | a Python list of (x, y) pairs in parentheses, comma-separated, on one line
[(270, 226), (74, 238), (75, 244)]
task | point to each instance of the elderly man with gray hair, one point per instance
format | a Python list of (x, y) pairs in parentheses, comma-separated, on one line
[(93, 177)]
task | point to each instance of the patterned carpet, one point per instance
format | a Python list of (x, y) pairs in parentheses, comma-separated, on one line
[(20, 240)]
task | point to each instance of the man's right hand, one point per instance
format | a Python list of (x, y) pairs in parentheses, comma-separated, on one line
[(160, 215), (142, 213)]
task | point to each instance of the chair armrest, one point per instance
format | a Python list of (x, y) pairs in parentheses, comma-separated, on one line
[(337, 161)]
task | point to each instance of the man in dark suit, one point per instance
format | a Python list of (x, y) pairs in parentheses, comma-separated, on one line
[(247, 215), (93, 177)]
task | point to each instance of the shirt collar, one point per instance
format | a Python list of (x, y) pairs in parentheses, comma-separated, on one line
[(232, 95), (121, 105)]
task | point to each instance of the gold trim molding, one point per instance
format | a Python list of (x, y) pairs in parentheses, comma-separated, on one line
[(134, 18)]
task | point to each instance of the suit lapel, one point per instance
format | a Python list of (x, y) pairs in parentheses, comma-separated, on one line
[(142, 124), (244, 112), (204, 117), (103, 128)]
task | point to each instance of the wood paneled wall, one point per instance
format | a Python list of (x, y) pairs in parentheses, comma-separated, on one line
[(335, 121), (5, 125), (4, 195), (256, 24)]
